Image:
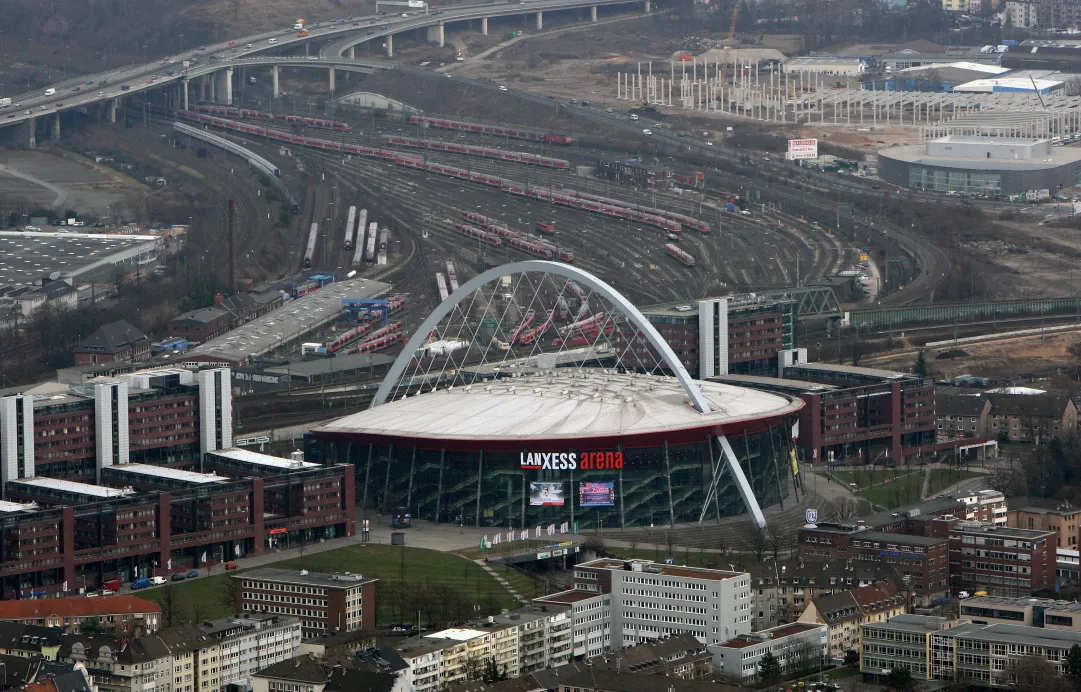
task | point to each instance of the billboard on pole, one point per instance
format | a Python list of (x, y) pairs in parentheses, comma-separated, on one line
[(802, 149)]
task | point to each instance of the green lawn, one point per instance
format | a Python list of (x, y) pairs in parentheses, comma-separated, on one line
[(889, 488), (902, 489), (944, 478), (442, 586)]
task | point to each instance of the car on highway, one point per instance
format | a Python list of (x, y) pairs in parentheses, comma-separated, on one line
[(11, 115), (124, 87), (272, 40), (90, 81), (150, 81), (44, 108), (232, 43), (249, 45), (58, 105), (76, 88), (170, 73), (709, 144), (28, 112), (502, 88), (647, 132), (607, 110)]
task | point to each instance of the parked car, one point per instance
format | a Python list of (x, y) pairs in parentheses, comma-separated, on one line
[(157, 581), (140, 583), (231, 565), (178, 577), (193, 574)]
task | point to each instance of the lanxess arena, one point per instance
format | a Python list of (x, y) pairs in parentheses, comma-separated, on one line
[(592, 446)]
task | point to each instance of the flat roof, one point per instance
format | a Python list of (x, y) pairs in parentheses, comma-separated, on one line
[(27, 257), (74, 487), (999, 531), (170, 473), (916, 154), (1017, 634), (458, 634), (746, 640), (289, 576), (919, 624), (322, 366), (257, 458), (6, 506), (900, 538), (988, 85), (960, 65), (583, 403), (851, 370), (778, 382), (660, 568), (568, 597), (289, 322), (1020, 602)]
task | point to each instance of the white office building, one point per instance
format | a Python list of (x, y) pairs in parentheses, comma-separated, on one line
[(16, 437)]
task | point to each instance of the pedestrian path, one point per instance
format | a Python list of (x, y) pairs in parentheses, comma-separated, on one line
[(502, 582)]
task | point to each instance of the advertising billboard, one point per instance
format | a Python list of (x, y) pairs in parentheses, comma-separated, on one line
[(543, 494), (596, 494), (802, 149)]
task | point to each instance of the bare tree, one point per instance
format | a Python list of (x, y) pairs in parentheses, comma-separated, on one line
[(1004, 479), (170, 605), (842, 510), (758, 541), (778, 540), (1034, 674), (227, 593)]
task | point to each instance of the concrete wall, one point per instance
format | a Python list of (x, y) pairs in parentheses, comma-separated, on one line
[(367, 99)]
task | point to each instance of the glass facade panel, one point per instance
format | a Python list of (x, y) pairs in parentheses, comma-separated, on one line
[(443, 486), (970, 182)]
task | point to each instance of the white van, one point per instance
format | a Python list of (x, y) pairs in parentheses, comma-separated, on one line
[(50, 92), (157, 581), (634, 117)]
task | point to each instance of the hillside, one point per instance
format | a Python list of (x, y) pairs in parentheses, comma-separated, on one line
[(46, 40)]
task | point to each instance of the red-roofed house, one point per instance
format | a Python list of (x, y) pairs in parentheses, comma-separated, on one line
[(125, 613)]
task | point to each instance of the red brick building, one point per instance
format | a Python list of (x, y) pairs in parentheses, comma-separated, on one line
[(1001, 560), (125, 613), (119, 341), (200, 326), (325, 603), (923, 560)]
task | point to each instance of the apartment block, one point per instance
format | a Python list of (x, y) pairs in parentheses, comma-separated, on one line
[(651, 600), (591, 619), (520, 642), (845, 612), (799, 646), (1001, 560), (250, 642), (680, 656), (1046, 514), (324, 603), (781, 592), (899, 643)]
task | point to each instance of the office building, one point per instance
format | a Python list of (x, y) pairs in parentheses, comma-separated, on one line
[(798, 647), (651, 600), (1030, 612), (981, 655), (161, 416), (899, 643), (923, 560), (591, 619), (1047, 514), (1001, 560), (324, 603)]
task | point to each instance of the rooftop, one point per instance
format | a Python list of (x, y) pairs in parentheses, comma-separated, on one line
[(1017, 634), (111, 338), (585, 403), (989, 85), (658, 568), (27, 257), (249, 457), (1000, 531), (170, 473), (290, 321), (918, 624), (567, 597), (74, 487), (289, 576), (850, 370), (75, 607), (761, 637), (458, 634), (917, 154), (1022, 602)]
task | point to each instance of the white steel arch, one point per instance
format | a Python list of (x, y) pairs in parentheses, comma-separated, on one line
[(569, 272)]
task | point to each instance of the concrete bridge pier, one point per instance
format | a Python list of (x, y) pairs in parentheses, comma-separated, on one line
[(56, 126), (484, 25), (540, 21), (213, 87), (647, 8), (274, 79), (184, 93), (390, 45), (437, 35), (307, 47), (229, 86), (33, 131), (111, 110), (352, 52), (593, 13), (332, 80)]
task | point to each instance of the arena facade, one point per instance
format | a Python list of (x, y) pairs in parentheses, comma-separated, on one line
[(597, 447)]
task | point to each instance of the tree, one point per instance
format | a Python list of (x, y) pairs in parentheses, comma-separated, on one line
[(769, 669), (491, 672), (920, 368), (1035, 674), (474, 669), (170, 605), (852, 658), (778, 540), (227, 593), (1072, 667), (91, 626), (842, 510), (759, 540), (1004, 479), (900, 679)]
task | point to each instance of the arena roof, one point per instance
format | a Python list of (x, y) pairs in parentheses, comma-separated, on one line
[(562, 405)]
